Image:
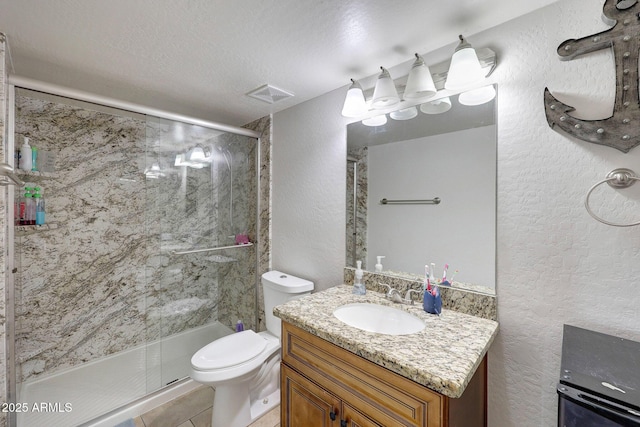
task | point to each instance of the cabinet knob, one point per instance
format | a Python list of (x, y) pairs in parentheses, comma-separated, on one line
[(343, 423), (332, 415)]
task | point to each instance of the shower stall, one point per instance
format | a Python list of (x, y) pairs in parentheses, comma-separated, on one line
[(150, 250)]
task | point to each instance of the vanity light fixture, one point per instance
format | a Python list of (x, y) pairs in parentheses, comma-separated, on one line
[(375, 120), (437, 106), (385, 94), (420, 82), (354, 103), (465, 69), (477, 96)]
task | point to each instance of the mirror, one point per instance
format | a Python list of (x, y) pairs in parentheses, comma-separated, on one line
[(450, 156)]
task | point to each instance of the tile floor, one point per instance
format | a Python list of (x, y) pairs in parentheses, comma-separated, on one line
[(194, 410)]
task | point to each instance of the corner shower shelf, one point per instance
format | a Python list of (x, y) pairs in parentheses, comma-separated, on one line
[(221, 259), (193, 251), (25, 230)]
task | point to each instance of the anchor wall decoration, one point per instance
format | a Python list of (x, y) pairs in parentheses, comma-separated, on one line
[(622, 129)]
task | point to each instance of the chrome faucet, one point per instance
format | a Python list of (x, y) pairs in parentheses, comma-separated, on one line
[(392, 294), (407, 296)]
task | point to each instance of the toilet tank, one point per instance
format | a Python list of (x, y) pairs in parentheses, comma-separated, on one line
[(278, 288)]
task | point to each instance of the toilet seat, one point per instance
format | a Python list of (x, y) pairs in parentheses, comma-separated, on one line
[(229, 351), (244, 353)]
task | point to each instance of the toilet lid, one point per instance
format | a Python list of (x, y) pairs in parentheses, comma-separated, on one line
[(229, 351)]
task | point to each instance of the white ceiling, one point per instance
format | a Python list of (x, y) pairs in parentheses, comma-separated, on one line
[(200, 57)]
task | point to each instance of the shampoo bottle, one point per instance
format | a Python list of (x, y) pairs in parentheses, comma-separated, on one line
[(39, 207), (30, 209), (25, 156), (379, 264), (34, 159), (358, 286), (22, 208)]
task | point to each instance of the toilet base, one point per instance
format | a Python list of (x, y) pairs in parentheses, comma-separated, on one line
[(232, 408), (261, 407)]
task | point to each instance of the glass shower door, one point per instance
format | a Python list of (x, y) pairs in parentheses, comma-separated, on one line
[(196, 206), (79, 284)]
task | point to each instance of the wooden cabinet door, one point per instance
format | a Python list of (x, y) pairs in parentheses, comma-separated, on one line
[(353, 418), (304, 404)]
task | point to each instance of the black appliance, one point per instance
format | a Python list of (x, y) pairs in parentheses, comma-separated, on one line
[(599, 380)]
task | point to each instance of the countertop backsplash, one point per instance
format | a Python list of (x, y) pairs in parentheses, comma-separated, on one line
[(460, 300)]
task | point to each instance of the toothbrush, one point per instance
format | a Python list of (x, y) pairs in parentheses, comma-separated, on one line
[(426, 286), (453, 275), (444, 273), (432, 276)]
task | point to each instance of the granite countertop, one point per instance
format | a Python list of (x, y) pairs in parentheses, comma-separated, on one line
[(443, 357)]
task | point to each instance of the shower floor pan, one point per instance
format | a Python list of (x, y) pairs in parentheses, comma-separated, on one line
[(79, 395)]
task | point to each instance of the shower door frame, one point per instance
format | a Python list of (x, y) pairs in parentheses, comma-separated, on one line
[(11, 380)]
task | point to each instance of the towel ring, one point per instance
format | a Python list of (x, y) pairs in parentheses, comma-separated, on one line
[(617, 178)]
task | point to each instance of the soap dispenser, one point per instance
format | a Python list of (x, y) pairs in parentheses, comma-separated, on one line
[(379, 264), (25, 162), (358, 286)]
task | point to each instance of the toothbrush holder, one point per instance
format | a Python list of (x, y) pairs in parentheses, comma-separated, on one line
[(432, 304)]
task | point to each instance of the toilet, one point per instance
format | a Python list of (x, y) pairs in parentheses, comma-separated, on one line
[(244, 367)]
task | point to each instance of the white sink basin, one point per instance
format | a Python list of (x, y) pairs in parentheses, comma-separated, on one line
[(379, 318)]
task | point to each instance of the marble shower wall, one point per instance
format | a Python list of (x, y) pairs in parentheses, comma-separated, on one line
[(264, 126), (3, 237), (356, 240), (104, 279), (80, 287)]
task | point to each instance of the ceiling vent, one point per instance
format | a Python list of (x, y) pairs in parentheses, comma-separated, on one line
[(269, 94)]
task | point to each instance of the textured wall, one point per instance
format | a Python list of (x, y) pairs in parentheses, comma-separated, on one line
[(556, 264), (309, 169)]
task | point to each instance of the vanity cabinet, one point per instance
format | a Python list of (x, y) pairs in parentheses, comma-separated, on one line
[(323, 385)]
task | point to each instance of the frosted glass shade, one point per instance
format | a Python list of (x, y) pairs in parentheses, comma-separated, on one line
[(385, 94), (196, 154), (375, 120), (477, 96), (436, 107), (404, 114), (354, 103), (420, 82), (465, 69)]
